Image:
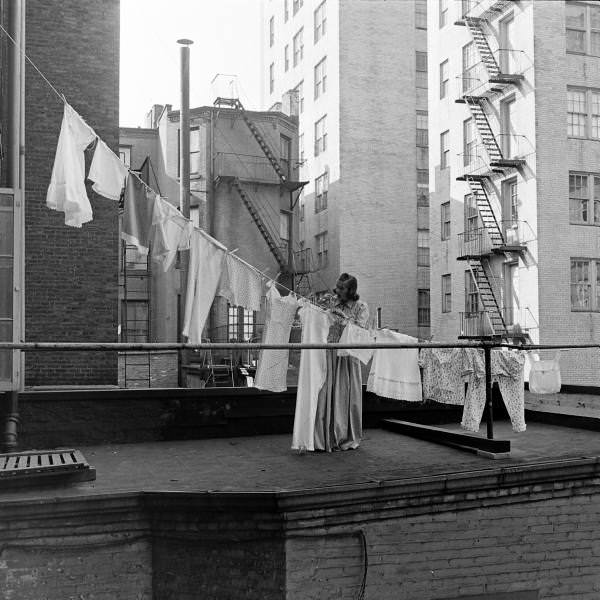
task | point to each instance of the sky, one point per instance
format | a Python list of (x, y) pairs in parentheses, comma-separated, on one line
[(226, 36)]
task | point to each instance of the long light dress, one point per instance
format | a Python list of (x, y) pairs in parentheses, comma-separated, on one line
[(338, 423)]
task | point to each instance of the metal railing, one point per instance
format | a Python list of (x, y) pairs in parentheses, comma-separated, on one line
[(479, 9), (476, 324), (245, 167), (511, 61), (475, 242), (514, 145)]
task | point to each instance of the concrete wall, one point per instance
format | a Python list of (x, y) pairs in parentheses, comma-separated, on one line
[(71, 275)]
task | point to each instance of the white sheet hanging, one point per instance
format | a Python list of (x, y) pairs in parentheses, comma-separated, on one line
[(107, 172)]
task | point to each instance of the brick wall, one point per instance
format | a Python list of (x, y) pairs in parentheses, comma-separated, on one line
[(71, 274)]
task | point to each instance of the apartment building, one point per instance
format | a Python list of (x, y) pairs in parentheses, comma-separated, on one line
[(515, 148), (358, 76)]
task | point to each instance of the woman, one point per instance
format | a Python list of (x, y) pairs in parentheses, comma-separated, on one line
[(338, 424)]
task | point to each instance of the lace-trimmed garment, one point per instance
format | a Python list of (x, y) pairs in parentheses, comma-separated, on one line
[(271, 372)]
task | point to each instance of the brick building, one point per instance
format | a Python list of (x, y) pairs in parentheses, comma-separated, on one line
[(361, 97), (514, 163), (236, 195), (63, 280)]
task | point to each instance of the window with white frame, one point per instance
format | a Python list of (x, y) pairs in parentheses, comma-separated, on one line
[(423, 309), (423, 248), (271, 31), (421, 14), (469, 67), (286, 57), (125, 155), (321, 189), (320, 21), (471, 294), (445, 221), (512, 202), (298, 47), (443, 16), (444, 149), (444, 79), (320, 77), (299, 89), (584, 199), (447, 293), (297, 5), (240, 324), (271, 78), (422, 128), (469, 142), (583, 113), (583, 28), (195, 166), (471, 217), (421, 69), (322, 245), (320, 136), (585, 284)]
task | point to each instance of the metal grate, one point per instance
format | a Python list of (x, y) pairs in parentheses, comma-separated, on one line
[(70, 464)]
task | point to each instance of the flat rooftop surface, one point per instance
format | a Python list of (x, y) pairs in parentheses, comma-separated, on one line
[(266, 463)]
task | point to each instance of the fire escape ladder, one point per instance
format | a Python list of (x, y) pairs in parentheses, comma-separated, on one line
[(488, 297), (485, 52), (260, 223), (487, 215), (261, 141), (488, 138)]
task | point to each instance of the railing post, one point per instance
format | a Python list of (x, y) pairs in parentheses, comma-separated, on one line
[(487, 351)]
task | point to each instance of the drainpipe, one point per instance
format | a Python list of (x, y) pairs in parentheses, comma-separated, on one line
[(17, 183)]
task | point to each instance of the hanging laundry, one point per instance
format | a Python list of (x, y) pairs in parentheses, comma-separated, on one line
[(507, 370), (137, 217), (66, 192), (395, 371), (241, 285), (311, 376), (271, 372), (443, 375), (107, 172), (205, 267), (353, 334), (544, 375), (171, 232)]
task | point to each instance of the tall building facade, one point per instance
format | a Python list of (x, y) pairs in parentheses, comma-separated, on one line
[(361, 99), (57, 283), (515, 149)]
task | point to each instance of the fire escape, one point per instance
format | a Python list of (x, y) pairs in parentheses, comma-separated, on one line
[(295, 263), (495, 74)]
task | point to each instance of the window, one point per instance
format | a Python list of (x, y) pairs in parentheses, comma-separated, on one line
[(379, 319), (471, 217), (584, 199), (446, 293), (320, 77), (286, 10), (240, 324), (421, 66), (511, 191), (296, 5), (320, 22), (422, 135), (422, 187), (421, 14), (271, 31), (444, 79), (271, 78), (285, 154), (125, 155), (423, 310), (322, 244), (444, 150), (299, 89), (422, 216), (583, 28), (469, 142), (321, 188), (195, 166), (445, 221), (422, 158), (443, 12), (320, 136), (585, 284), (301, 148), (298, 47), (286, 57), (284, 229), (135, 320), (583, 113), (469, 68), (471, 294), (423, 248)]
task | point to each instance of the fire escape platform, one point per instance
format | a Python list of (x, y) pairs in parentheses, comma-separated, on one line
[(507, 162)]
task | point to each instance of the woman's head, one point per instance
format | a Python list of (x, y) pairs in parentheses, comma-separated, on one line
[(346, 287)]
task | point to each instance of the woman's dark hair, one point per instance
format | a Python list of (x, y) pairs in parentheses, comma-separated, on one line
[(351, 284)]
